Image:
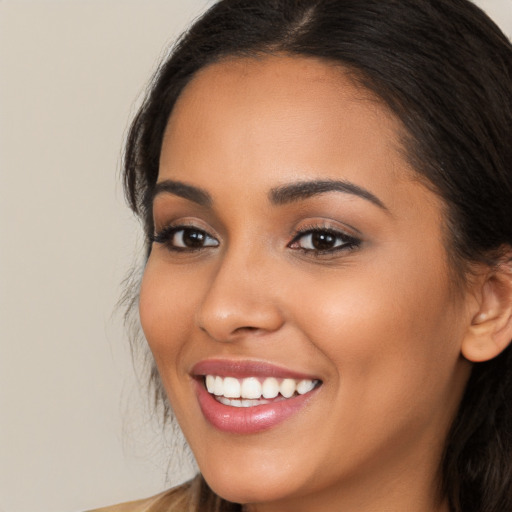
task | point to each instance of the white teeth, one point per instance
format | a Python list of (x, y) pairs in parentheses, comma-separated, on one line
[(210, 383), (251, 388), (270, 388), (241, 403), (305, 386), (254, 391), (218, 386), (287, 388), (231, 387)]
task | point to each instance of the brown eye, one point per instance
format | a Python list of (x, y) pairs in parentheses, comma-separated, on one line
[(323, 241), (183, 238), (191, 238)]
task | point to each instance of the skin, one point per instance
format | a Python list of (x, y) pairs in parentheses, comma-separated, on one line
[(380, 324)]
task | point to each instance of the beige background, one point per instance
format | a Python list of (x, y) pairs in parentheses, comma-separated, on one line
[(74, 432)]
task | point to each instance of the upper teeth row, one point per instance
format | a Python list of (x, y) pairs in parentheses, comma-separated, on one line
[(253, 388)]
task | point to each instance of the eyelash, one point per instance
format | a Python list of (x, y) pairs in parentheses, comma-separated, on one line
[(348, 242), (167, 234)]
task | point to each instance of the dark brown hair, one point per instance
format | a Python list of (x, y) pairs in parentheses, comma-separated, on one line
[(445, 70)]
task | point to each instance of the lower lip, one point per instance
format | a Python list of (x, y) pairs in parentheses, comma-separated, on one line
[(248, 420)]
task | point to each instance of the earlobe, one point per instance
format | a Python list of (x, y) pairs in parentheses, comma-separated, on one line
[(490, 331)]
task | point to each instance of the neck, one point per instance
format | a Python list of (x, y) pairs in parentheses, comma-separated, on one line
[(402, 488), (372, 500)]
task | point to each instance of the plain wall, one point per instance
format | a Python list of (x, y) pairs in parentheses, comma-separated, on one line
[(74, 429)]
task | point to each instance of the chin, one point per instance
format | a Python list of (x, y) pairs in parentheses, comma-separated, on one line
[(253, 483), (245, 489)]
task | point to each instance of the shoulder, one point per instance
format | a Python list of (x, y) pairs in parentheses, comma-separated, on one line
[(173, 500)]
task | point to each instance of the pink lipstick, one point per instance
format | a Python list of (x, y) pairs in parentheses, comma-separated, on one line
[(245, 397)]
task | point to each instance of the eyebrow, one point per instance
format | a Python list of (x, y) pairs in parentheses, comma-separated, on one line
[(305, 189), (284, 194), (180, 189)]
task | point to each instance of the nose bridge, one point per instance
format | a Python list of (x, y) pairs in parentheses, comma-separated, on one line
[(241, 296)]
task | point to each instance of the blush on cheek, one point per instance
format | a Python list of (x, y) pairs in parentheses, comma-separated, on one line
[(150, 307), (157, 310), (167, 310)]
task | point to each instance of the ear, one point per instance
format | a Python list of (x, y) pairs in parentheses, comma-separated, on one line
[(490, 331)]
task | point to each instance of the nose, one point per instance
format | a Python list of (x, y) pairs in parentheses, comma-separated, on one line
[(241, 298)]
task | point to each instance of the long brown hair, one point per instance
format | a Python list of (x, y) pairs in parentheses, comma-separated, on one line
[(445, 70)]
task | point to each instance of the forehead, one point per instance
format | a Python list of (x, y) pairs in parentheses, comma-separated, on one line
[(279, 117)]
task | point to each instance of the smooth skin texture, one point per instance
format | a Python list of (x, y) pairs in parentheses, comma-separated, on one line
[(379, 320)]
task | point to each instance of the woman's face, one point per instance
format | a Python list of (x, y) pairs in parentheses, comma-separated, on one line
[(296, 254)]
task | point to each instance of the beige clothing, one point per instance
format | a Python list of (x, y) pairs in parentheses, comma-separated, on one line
[(193, 496), (173, 500)]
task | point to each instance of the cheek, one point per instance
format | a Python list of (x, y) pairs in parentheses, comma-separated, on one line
[(392, 342), (164, 315), (391, 333)]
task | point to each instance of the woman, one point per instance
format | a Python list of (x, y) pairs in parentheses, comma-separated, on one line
[(326, 188)]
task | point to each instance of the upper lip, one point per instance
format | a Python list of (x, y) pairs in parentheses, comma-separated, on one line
[(246, 368)]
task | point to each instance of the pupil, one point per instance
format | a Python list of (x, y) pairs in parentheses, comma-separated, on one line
[(323, 241), (193, 238)]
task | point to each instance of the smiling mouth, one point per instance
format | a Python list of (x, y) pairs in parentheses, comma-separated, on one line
[(254, 391)]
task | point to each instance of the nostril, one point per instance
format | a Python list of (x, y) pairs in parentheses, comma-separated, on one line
[(246, 329)]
